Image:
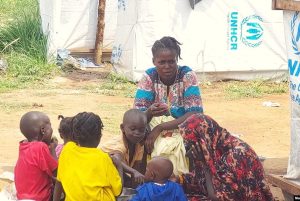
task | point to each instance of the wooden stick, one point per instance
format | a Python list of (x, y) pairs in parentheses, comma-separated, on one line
[(285, 184), (286, 5), (100, 32)]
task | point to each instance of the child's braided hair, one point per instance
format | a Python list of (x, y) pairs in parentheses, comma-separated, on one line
[(87, 128), (169, 43), (65, 127)]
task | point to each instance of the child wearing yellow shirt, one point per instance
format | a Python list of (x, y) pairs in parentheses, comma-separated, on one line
[(85, 172)]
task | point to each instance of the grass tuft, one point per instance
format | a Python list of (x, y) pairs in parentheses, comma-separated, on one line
[(23, 45), (254, 89), (24, 35)]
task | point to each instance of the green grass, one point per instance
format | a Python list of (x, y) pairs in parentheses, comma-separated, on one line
[(254, 89), (9, 9), (24, 35), (113, 85), (27, 68), (23, 45)]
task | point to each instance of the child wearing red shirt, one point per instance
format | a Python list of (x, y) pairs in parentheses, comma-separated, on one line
[(36, 163)]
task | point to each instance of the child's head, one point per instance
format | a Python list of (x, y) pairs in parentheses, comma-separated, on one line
[(166, 52), (87, 129), (36, 125), (65, 128), (134, 125), (159, 169)]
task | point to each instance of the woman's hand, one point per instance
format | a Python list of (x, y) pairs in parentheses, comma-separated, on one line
[(149, 143), (138, 177), (195, 153), (157, 109)]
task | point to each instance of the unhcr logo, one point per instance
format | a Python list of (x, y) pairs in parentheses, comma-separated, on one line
[(295, 30), (252, 31), (294, 64), (249, 31)]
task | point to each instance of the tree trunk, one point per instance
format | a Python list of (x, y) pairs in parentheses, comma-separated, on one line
[(100, 32)]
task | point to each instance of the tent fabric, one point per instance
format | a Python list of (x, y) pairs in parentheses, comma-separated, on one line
[(72, 24), (221, 39), (292, 35)]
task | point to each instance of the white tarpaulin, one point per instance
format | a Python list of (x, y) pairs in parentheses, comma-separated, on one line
[(230, 39), (72, 24), (292, 38)]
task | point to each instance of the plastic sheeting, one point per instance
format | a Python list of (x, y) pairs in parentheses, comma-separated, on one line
[(221, 39), (72, 24), (292, 35)]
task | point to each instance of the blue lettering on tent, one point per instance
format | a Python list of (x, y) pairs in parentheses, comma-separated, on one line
[(295, 98), (299, 87), (233, 35), (294, 67), (292, 85)]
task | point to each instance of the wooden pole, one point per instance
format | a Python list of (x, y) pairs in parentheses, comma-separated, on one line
[(286, 5), (100, 32)]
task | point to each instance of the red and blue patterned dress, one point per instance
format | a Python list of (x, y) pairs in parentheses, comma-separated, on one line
[(236, 171)]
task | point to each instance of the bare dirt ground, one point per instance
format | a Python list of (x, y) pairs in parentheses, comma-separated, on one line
[(266, 129)]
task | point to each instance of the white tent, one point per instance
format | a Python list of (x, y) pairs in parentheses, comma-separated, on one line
[(72, 24), (221, 39)]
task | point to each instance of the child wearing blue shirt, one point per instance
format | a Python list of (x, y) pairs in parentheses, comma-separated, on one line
[(158, 187)]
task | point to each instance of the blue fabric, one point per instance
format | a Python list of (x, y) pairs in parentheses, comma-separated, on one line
[(151, 71), (150, 191), (148, 95), (177, 112), (192, 91)]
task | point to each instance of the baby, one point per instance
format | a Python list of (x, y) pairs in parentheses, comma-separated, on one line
[(170, 145), (158, 187)]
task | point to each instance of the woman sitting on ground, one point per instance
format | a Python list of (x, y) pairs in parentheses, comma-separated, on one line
[(168, 93), (222, 166)]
